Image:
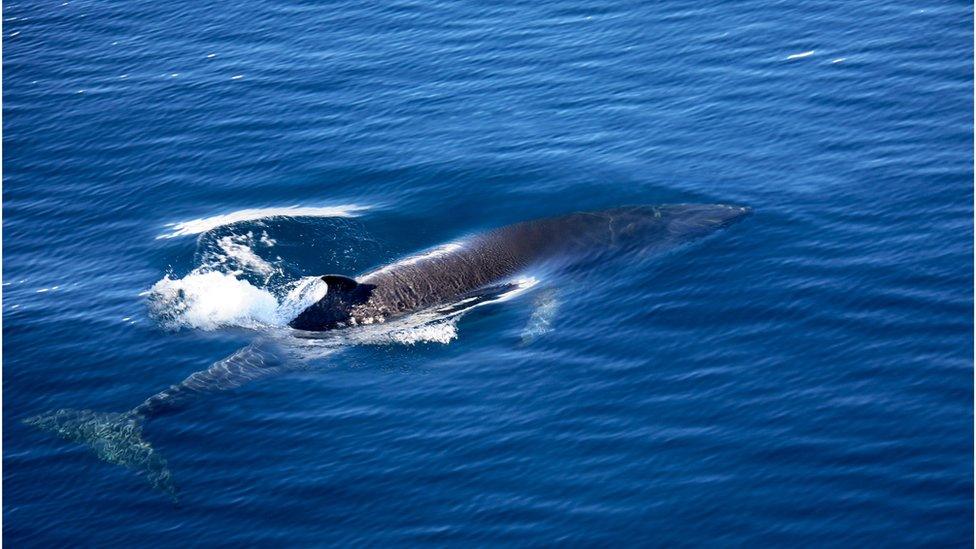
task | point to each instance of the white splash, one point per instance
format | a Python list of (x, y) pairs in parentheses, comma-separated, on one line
[(204, 224), (231, 287), (237, 248), (267, 240), (410, 330), (210, 300), (299, 296)]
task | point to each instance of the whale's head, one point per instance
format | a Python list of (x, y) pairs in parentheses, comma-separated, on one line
[(334, 310), (668, 225), (695, 220)]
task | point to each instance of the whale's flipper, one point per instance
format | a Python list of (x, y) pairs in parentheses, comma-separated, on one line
[(476, 297), (540, 323), (113, 437)]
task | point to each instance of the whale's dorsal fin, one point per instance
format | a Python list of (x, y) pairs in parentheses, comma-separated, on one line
[(336, 306), (340, 282)]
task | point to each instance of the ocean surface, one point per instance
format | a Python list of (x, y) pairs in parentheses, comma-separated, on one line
[(175, 172)]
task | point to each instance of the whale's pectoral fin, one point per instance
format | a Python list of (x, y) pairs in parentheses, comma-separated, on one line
[(481, 295), (490, 292), (113, 437), (546, 305)]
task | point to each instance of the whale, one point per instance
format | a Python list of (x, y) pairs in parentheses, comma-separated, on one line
[(476, 266), (448, 279)]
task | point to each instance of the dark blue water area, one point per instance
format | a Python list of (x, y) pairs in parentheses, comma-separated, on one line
[(804, 377)]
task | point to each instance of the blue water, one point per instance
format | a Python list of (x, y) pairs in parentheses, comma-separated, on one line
[(803, 377)]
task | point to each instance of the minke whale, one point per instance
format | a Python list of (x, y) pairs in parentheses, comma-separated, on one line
[(447, 278), (471, 267)]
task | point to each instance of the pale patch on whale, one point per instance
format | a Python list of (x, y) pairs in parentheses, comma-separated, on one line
[(432, 253)]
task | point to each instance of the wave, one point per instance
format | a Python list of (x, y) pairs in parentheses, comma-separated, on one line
[(204, 224)]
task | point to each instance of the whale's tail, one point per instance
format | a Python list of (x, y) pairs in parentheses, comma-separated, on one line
[(117, 437), (113, 437)]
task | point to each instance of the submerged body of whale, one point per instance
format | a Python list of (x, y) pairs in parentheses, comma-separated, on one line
[(473, 265), (477, 267)]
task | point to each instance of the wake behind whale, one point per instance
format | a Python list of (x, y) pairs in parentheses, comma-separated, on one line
[(425, 289)]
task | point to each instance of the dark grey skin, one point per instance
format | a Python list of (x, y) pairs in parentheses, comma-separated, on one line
[(475, 265)]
